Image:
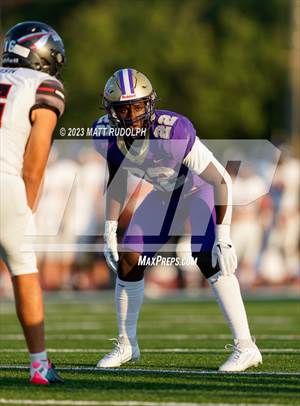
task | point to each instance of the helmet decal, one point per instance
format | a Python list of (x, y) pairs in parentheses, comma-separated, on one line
[(22, 51), (126, 84), (29, 37)]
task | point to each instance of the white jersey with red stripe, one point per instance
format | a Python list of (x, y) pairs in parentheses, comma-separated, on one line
[(22, 90)]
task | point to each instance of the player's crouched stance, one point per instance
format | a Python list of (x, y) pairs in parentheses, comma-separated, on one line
[(189, 184), (32, 99)]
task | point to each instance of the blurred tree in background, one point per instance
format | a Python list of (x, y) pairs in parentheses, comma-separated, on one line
[(222, 63)]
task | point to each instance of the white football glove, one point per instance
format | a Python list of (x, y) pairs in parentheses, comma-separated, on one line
[(111, 244), (223, 251)]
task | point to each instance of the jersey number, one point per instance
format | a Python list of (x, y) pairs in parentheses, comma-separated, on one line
[(164, 129), (4, 90)]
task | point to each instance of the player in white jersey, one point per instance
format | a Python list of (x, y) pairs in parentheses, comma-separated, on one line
[(31, 101)]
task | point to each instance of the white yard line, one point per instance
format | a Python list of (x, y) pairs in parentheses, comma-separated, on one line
[(153, 350), (157, 370), (120, 403), (70, 326), (89, 337), (84, 318)]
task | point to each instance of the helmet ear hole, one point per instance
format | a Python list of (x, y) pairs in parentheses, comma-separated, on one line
[(44, 62), (37, 66), (45, 66)]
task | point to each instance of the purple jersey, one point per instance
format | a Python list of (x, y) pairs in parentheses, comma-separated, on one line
[(165, 155), (171, 158)]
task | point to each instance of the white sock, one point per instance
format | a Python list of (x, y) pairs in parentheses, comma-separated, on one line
[(40, 357), (227, 292), (129, 298)]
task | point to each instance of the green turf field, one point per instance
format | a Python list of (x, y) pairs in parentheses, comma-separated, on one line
[(182, 346)]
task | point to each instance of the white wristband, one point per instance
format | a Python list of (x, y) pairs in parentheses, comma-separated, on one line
[(222, 231), (110, 227)]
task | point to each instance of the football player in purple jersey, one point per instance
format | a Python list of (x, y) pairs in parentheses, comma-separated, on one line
[(189, 184), (31, 102)]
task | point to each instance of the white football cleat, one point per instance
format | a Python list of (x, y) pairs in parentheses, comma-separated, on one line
[(123, 351), (241, 358)]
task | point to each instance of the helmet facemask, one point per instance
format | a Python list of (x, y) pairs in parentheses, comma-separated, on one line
[(53, 67), (147, 117)]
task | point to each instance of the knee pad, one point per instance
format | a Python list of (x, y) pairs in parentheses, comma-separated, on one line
[(129, 268), (205, 265)]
